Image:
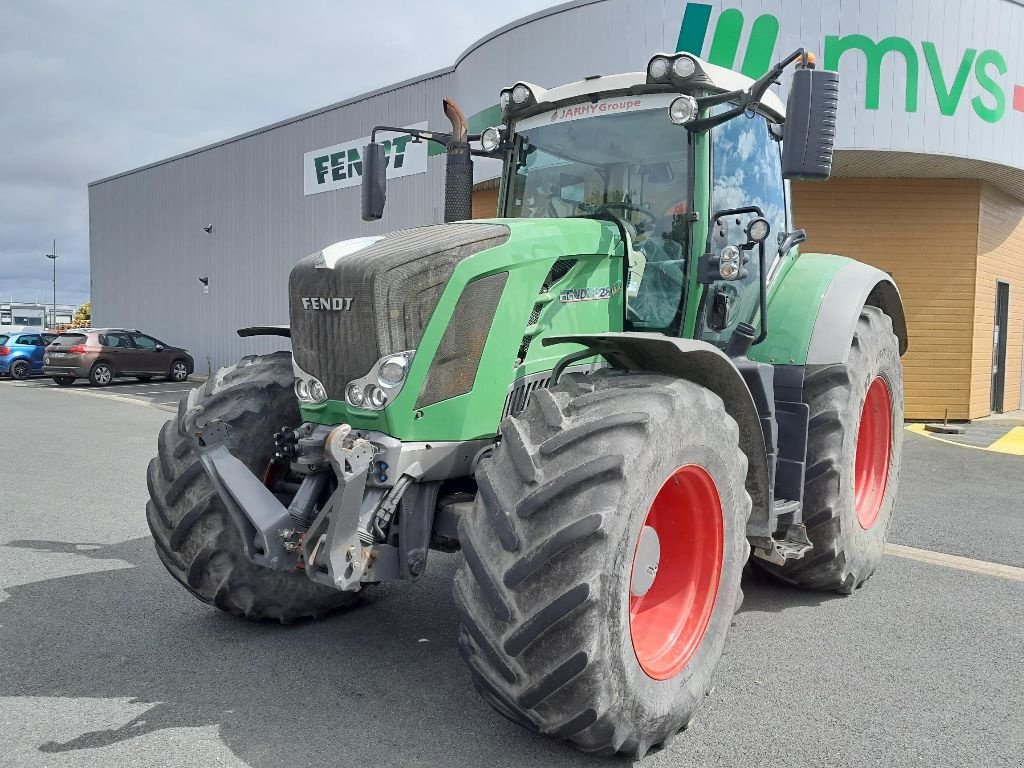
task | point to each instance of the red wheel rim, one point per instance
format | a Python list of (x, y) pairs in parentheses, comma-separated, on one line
[(874, 445), (667, 623)]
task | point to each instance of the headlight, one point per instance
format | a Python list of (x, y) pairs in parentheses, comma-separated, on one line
[(382, 384), (758, 230), (393, 370), (354, 395), (317, 393), (490, 139), (658, 67), (683, 110), (375, 397), (520, 94), (684, 67), (309, 389)]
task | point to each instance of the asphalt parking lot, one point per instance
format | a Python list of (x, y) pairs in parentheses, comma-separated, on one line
[(159, 393), (106, 661)]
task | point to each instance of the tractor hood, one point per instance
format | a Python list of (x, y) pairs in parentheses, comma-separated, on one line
[(359, 300)]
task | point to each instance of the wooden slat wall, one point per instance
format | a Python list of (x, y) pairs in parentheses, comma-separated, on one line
[(925, 233), (485, 203), (1000, 257)]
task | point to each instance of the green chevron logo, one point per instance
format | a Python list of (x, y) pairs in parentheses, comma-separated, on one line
[(988, 66)]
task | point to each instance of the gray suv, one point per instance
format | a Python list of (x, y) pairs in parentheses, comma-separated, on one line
[(103, 354)]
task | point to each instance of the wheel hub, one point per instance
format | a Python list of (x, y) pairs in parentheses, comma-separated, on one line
[(874, 447), (677, 566)]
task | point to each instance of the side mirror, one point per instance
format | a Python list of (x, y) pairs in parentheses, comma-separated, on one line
[(160, 347), (810, 129), (375, 182)]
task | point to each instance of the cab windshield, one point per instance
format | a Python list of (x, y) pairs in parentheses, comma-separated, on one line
[(630, 162)]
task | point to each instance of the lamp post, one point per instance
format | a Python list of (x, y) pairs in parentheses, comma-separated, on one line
[(53, 257)]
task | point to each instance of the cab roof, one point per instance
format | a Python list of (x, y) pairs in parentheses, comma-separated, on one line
[(722, 80)]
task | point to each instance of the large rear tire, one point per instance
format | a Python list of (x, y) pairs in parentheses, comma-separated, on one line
[(567, 626), (195, 538), (854, 446)]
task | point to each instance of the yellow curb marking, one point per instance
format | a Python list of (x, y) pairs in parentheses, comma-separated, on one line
[(1012, 442), (998, 570)]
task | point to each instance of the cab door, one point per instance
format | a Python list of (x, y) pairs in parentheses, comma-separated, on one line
[(746, 170)]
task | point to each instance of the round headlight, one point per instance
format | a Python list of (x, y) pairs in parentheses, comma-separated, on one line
[(375, 396), (683, 67), (658, 67), (683, 110), (393, 370), (490, 139), (354, 395), (503, 99), (317, 393), (728, 270), (520, 94), (758, 230), (301, 389), (729, 253)]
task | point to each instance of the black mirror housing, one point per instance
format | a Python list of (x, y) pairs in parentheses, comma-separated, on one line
[(375, 182), (810, 129)]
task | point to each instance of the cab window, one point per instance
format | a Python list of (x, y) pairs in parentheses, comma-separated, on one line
[(746, 171)]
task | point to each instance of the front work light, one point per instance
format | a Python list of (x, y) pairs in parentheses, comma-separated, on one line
[(683, 110), (729, 262), (677, 69), (758, 230), (684, 67), (658, 67), (520, 94), (490, 139)]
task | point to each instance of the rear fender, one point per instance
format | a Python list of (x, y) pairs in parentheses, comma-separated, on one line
[(703, 364), (814, 306)]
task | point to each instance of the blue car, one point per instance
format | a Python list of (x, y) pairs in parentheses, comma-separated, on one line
[(21, 354)]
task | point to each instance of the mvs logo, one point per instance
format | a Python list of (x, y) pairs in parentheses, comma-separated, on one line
[(987, 68)]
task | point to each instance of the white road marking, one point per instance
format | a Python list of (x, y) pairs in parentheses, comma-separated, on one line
[(998, 570)]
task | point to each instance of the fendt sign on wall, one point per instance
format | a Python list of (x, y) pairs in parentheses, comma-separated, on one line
[(341, 165)]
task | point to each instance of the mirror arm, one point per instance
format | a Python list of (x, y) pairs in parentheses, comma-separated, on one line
[(444, 139), (748, 99)]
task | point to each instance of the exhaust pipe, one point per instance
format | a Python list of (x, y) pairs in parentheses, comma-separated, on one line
[(458, 181)]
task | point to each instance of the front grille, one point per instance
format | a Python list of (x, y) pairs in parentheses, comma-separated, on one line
[(394, 286), (453, 370)]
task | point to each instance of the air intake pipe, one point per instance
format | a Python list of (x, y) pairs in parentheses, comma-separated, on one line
[(458, 179)]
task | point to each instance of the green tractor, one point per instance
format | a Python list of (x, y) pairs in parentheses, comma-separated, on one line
[(609, 399)]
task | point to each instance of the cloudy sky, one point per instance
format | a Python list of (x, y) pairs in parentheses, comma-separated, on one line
[(89, 89)]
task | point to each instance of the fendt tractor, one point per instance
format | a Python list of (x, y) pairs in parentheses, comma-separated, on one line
[(609, 399)]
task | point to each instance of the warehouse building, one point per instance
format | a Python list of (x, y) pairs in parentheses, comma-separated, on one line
[(928, 181)]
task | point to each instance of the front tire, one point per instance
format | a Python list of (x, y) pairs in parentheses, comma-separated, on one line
[(854, 447), (179, 371), (194, 535), (559, 626)]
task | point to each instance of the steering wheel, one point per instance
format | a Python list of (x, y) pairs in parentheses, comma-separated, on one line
[(598, 207)]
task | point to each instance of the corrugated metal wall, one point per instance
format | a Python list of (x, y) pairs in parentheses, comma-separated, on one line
[(148, 248)]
